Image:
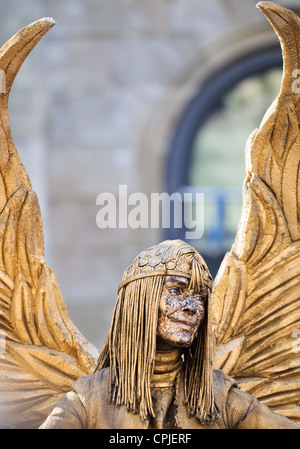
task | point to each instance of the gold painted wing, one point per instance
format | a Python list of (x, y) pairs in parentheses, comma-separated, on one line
[(41, 350), (256, 298)]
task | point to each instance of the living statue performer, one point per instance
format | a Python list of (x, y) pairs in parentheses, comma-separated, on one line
[(180, 353)]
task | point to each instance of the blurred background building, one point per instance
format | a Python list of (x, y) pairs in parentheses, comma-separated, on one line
[(157, 95)]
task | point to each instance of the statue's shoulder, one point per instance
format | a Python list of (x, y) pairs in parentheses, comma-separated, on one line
[(222, 382), (93, 383)]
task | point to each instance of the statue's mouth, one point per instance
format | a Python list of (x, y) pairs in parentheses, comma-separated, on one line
[(186, 323)]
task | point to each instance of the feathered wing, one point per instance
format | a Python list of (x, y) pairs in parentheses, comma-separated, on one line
[(41, 350), (256, 297)]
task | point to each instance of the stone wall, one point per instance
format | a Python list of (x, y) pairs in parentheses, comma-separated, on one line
[(95, 105)]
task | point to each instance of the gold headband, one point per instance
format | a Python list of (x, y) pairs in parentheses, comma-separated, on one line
[(160, 273)]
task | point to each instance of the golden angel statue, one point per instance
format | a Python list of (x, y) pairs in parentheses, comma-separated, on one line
[(180, 352)]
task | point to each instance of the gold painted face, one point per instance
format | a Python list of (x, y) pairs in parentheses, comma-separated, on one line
[(180, 314)]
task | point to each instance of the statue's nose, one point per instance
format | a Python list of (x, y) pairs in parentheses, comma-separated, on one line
[(189, 306)]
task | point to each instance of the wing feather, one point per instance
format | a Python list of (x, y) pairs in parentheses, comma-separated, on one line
[(255, 320), (41, 350)]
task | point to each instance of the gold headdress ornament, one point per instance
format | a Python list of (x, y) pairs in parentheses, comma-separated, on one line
[(130, 346), (169, 258)]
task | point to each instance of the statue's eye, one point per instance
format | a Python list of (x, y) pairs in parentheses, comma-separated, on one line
[(174, 290)]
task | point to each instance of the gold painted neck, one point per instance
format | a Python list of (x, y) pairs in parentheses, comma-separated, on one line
[(167, 366)]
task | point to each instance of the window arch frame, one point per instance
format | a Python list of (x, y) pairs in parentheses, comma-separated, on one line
[(194, 116), (204, 103)]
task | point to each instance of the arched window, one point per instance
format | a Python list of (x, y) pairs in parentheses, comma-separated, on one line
[(207, 152)]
